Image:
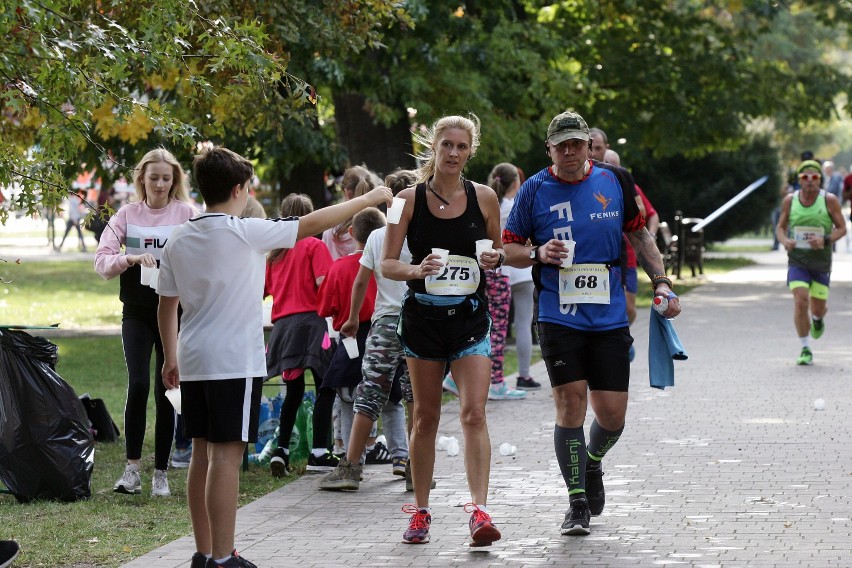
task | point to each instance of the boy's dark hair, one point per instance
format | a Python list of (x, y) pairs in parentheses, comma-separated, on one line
[(365, 222), (217, 171)]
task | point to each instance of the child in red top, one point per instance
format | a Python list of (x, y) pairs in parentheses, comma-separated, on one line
[(299, 338), (335, 294)]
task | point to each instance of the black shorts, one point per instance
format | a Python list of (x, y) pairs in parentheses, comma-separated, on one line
[(600, 357), (344, 372), (445, 333), (225, 410)]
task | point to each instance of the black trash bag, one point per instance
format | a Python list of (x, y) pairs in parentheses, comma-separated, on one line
[(46, 448)]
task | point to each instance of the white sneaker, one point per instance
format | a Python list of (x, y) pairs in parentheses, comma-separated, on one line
[(160, 484), (129, 482), (501, 391)]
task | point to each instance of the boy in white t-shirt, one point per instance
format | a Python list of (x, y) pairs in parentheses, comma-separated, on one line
[(214, 266)]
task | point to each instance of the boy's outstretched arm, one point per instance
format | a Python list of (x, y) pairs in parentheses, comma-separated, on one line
[(167, 318), (328, 217)]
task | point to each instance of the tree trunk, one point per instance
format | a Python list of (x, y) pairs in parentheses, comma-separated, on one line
[(307, 178), (378, 148)]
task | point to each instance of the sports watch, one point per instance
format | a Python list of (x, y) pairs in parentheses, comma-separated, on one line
[(534, 254)]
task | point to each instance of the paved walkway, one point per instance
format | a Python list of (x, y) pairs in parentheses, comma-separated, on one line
[(731, 467)]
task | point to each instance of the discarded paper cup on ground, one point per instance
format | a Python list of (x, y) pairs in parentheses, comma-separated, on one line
[(150, 276), (453, 447), (174, 397), (569, 260), (507, 449), (445, 254), (351, 345), (483, 245), (395, 210)]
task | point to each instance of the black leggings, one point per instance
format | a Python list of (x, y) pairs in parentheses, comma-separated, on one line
[(140, 335), (322, 412)]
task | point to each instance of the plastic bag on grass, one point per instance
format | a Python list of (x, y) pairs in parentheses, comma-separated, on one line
[(46, 448)]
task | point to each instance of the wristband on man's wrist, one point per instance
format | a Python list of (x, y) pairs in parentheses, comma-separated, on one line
[(827, 240), (660, 279)]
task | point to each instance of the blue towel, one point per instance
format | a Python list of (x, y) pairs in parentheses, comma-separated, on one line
[(663, 348)]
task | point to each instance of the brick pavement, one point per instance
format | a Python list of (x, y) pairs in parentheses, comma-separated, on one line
[(732, 467)]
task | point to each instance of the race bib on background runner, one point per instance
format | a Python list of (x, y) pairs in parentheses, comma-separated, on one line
[(803, 234)]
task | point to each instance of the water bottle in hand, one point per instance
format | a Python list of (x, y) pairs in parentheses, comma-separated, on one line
[(661, 304)]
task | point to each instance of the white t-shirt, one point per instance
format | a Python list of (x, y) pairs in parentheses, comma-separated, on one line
[(516, 275), (389, 296), (216, 264)]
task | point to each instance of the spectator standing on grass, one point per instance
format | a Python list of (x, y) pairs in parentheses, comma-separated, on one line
[(73, 214), (99, 219), (299, 339), (135, 237), (213, 266)]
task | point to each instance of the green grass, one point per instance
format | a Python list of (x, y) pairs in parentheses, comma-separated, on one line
[(69, 293), (111, 529)]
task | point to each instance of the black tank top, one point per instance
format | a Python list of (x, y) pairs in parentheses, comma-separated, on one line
[(458, 235)]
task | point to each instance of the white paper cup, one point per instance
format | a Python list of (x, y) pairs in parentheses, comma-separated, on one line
[(444, 253), (332, 333), (174, 397), (351, 345), (395, 210), (569, 260), (483, 245), (267, 314), (150, 276)]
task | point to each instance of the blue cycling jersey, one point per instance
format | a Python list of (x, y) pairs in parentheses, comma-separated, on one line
[(592, 212)]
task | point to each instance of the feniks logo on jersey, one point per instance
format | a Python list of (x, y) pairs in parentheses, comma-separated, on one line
[(604, 214), (599, 197)]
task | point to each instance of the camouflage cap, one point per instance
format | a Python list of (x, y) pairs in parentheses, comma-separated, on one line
[(809, 165), (565, 126)]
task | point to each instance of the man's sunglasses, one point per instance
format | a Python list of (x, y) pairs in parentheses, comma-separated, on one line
[(809, 176)]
